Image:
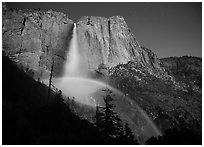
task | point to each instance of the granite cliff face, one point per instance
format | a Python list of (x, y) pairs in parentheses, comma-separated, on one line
[(108, 41), (34, 39)]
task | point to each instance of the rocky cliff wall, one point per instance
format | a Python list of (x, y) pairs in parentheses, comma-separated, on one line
[(109, 41), (34, 38)]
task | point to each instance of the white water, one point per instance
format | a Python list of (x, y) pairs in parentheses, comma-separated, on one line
[(76, 65), (75, 83), (72, 64)]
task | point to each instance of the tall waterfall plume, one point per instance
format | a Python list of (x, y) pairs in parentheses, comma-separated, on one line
[(72, 64)]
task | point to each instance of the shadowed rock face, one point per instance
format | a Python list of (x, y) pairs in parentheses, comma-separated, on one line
[(33, 38), (187, 70)]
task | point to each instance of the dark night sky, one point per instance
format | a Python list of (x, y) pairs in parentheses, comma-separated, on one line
[(169, 29)]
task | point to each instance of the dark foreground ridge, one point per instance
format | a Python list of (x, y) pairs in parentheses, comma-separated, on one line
[(30, 118)]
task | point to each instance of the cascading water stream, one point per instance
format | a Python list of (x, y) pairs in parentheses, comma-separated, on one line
[(75, 83), (72, 64)]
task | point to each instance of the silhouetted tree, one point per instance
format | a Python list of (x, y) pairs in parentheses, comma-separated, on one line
[(59, 96), (109, 123), (50, 81), (112, 122), (129, 136), (98, 118), (73, 104), (88, 22), (67, 101)]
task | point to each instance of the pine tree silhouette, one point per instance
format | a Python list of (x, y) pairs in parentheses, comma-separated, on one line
[(113, 125), (73, 105), (98, 118), (67, 101), (109, 123), (129, 136)]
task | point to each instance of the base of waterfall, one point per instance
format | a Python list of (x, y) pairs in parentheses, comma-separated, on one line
[(90, 92), (81, 89)]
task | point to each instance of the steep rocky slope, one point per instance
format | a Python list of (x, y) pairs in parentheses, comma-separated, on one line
[(167, 106), (34, 39), (187, 70)]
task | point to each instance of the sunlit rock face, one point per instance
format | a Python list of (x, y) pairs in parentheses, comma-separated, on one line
[(34, 38), (105, 39), (109, 41)]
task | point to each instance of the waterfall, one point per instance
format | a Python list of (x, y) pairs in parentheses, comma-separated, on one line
[(72, 64), (76, 83), (76, 65)]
